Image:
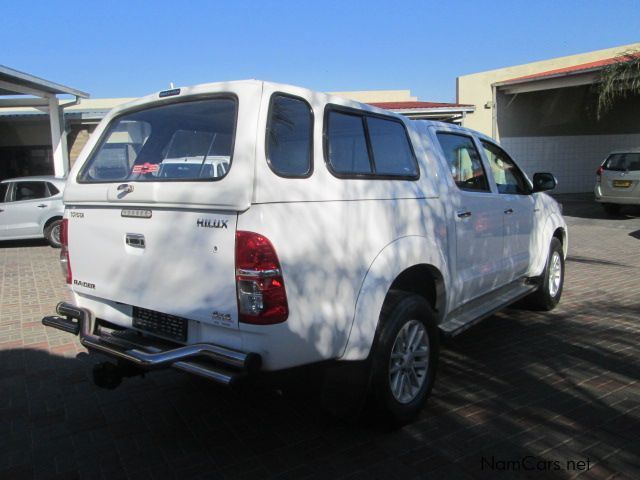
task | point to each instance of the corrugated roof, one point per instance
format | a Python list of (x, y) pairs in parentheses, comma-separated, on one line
[(575, 69), (417, 105)]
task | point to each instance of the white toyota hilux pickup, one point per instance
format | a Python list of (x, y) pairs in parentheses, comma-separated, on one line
[(231, 229)]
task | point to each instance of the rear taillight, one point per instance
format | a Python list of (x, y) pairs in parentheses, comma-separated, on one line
[(262, 298), (65, 263), (599, 173)]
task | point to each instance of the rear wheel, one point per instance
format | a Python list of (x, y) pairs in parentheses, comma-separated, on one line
[(404, 358), (52, 233), (612, 208), (552, 281)]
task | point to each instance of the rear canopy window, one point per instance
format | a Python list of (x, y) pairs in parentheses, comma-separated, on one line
[(623, 161), (289, 136), (366, 145), (181, 141)]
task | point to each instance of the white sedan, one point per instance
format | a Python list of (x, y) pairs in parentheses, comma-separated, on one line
[(31, 207)]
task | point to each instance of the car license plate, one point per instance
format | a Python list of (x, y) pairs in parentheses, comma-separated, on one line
[(622, 183), (161, 324)]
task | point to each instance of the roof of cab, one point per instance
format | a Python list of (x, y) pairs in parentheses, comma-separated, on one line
[(216, 87), (38, 178)]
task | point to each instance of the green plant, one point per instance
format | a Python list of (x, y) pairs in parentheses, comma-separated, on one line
[(619, 80)]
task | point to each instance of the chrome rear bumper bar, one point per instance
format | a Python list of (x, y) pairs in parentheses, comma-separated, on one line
[(221, 364)]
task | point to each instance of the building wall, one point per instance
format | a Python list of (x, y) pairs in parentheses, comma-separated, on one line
[(475, 89), (573, 159)]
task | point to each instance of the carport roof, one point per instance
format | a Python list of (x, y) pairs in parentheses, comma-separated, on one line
[(567, 71), (14, 82)]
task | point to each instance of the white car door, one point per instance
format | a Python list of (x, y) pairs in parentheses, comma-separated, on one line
[(515, 191), (478, 212), (23, 215)]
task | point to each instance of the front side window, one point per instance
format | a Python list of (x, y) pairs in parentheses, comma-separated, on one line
[(508, 177), (181, 141), (289, 136), (3, 192), (30, 191), (464, 162)]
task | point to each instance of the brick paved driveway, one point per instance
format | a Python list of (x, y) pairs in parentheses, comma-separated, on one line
[(547, 389)]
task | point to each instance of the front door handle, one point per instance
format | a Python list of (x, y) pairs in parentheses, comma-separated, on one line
[(42, 205), (464, 214), (509, 211)]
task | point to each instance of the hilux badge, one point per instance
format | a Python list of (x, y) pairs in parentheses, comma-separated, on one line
[(208, 223)]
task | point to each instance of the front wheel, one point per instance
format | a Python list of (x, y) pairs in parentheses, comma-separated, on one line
[(552, 281), (404, 358), (52, 233)]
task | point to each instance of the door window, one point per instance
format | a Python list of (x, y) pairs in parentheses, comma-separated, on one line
[(30, 191), (464, 162), (3, 191), (506, 173)]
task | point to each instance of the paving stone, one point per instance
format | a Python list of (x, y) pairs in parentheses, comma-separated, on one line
[(557, 386)]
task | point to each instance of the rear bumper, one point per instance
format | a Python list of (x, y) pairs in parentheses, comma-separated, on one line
[(633, 199), (213, 362)]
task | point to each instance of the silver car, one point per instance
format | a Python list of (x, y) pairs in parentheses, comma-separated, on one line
[(618, 180), (31, 207)]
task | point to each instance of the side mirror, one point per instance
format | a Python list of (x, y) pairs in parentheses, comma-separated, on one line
[(543, 182)]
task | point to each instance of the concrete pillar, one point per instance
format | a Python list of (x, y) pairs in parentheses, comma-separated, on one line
[(58, 139)]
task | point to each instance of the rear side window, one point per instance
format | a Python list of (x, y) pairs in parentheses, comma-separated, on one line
[(623, 161), (30, 191), (3, 192), (464, 162), (53, 190), (180, 141), (359, 144), (290, 136)]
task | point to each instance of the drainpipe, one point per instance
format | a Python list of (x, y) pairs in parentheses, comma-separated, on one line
[(494, 112)]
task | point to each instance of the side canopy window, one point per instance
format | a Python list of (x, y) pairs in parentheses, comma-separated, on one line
[(464, 162), (180, 141), (289, 136), (508, 178), (365, 145)]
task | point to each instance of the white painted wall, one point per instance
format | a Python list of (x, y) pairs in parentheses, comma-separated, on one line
[(573, 159)]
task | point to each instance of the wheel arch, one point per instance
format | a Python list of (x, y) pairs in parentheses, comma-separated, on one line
[(50, 221), (414, 264)]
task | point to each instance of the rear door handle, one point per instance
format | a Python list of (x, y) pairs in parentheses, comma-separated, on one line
[(42, 205), (464, 214), (509, 211)]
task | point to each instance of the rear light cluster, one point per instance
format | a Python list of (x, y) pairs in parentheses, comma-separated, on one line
[(262, 298), (65, 263), (599, 174)]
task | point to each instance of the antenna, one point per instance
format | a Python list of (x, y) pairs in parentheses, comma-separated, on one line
[(171, 85)]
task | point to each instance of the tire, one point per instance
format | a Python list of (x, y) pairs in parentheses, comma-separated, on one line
[(402, 375), (552, 281), (52, 233), (612, 208)]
